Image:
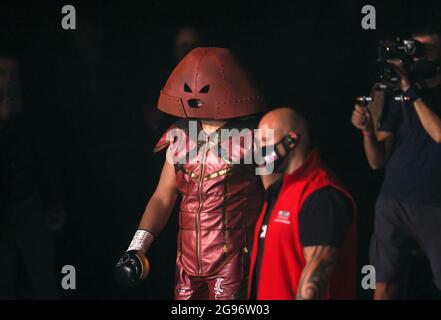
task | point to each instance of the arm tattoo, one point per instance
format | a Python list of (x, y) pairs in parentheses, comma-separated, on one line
[(320, 262)]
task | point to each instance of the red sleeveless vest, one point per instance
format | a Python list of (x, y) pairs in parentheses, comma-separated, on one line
[(221, 201), (283, 261)]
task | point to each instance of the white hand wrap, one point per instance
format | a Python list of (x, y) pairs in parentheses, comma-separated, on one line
[(141, 241)]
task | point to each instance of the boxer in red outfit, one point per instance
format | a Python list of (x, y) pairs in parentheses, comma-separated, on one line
[(221, 198)]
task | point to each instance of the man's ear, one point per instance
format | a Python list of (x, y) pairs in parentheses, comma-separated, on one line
[(294, 138)]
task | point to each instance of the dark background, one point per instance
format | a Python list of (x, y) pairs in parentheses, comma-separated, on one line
[(311, 55)]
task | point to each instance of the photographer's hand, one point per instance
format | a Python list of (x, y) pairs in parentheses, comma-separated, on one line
[(398, 66), (362, 119), (377, 146), (430, 120)]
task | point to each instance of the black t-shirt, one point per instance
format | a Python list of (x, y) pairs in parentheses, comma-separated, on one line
[(413, 172), (323, 220)]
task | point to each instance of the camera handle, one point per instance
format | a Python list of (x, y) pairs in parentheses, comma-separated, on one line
[(364, 101), (400, 97)]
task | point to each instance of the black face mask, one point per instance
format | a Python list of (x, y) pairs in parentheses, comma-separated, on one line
[(288, 143), (425, 69)]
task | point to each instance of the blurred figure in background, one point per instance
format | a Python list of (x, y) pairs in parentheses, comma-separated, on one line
[(187, 38), (29, 197)]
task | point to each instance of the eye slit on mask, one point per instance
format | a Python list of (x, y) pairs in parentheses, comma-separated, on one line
[(187, 88), (205, 89)]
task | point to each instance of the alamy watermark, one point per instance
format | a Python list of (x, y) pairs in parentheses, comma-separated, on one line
[(368, 281), (69, 281), (232, 146), (369, 21), (69, 21)]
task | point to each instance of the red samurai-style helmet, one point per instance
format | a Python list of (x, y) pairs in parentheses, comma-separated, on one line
[(210, 84)]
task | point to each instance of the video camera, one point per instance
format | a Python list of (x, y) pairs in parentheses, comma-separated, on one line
[(382, 72)]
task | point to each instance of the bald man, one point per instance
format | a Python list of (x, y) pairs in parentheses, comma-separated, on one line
[(305, 238)]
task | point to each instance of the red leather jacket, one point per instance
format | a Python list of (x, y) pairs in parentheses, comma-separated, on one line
[(221, 198)]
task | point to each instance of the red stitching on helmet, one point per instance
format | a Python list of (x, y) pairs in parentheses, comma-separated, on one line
[(221, 65), (240, 100), (222, 68), (197, 71)]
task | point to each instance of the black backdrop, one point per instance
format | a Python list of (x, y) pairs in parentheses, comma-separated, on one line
[(312, 55)]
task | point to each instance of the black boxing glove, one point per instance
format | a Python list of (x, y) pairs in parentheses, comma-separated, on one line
[(133, 267)]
